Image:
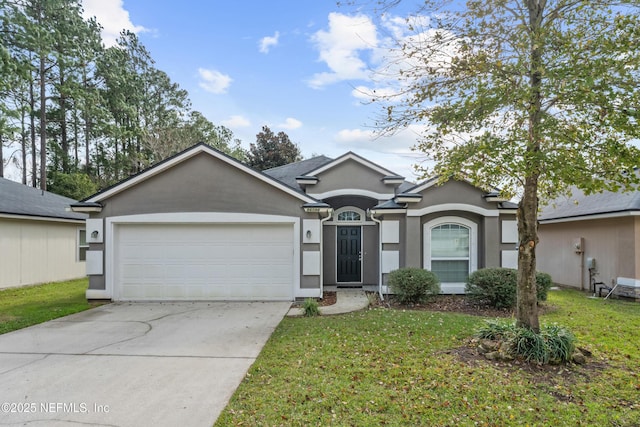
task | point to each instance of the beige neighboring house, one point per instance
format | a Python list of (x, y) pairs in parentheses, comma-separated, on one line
[(595, 238), (40, 240)]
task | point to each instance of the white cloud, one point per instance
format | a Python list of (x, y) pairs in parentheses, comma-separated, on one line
[(340, 48), (268, 41), (351, 136), (214, 81), (237, 121), (113, 17), (290, 123)]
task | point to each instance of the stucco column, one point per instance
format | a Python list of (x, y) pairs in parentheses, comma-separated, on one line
[(413, 242), (491, 242)]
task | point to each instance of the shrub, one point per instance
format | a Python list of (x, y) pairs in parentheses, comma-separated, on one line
[(310, 307), (497, 286), (554, 343), (413, 285)]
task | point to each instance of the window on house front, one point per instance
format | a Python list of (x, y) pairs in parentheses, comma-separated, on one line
[(450, 254), (83, 246), (348, 216)]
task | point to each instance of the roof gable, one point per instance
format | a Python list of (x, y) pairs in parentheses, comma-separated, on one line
[(351, 156), (20, 199), (185, 155)]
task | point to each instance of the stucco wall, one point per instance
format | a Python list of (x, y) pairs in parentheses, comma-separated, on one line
[(33, 251), (202, 184), (350, 174), (612, 242)]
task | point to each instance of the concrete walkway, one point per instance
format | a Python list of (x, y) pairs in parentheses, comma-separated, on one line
[(348, 300)]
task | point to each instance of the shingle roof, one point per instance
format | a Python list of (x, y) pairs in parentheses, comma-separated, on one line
[(580, 204), (19, 199), (287, 174)]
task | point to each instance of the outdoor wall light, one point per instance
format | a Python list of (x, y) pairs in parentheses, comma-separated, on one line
[(94, 234), (308, 234)]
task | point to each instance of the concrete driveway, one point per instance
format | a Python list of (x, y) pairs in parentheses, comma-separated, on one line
[(142, 364)]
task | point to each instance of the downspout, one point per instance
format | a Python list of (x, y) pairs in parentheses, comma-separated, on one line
[(330, 212), (379, 222)]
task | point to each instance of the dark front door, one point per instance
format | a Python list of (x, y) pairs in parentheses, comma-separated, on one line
[(349, 254)]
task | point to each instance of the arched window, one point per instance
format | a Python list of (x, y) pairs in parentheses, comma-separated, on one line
[(349, 216), (450, 250)]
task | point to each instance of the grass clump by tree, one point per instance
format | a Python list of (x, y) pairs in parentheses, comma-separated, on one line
[(553, 344), (498, 286), (413, 285)]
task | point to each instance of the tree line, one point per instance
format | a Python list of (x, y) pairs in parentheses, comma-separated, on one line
[(77, 116)]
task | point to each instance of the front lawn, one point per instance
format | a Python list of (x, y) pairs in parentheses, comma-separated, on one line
[(402, 367), (26, 306)]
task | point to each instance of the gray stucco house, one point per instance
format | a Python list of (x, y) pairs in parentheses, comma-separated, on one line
[(203, 226)]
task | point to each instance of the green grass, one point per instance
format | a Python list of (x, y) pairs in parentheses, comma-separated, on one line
[(26, 306), (394, 367)]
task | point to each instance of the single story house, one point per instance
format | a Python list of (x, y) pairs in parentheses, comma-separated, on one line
[(40, 239), (202, 226), (595, 238)]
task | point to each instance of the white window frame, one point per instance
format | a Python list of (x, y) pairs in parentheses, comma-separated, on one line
[(362, 213), (80, 246), (473, 241)]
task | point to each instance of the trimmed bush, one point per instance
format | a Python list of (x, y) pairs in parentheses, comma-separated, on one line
[(497, 286), (413, 285)]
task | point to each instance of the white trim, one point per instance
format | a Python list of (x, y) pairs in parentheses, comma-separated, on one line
[(198, 218), (388, 211), (509, 231), (97, 294), (390, 231), (421, 187), (352, 192), (94, 265), (588, 217), (390, 260), (351, 156), (85, 209), (311, 263), (453, 207), (41, 218), (337, 212), (473, 241), (308, 293), (155, 170), (626, 281)]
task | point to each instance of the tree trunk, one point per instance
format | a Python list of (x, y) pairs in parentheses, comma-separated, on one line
[(527, 298), (23, 145), (1, 158), (527, 301), (43, 125), (32, 131)]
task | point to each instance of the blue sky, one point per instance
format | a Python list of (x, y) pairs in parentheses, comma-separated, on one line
[(297, 66)]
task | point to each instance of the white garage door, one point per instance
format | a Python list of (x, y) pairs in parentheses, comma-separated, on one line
[(203, 262)]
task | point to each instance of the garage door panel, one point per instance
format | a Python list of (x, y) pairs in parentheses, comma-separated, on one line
[(203, 262)]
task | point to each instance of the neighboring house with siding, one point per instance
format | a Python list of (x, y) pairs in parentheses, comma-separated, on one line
[(203, 226), (592, 236), (40, 239)]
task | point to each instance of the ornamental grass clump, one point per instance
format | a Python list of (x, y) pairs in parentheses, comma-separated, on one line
[(554, 344), (413, 285), (310, 308)]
